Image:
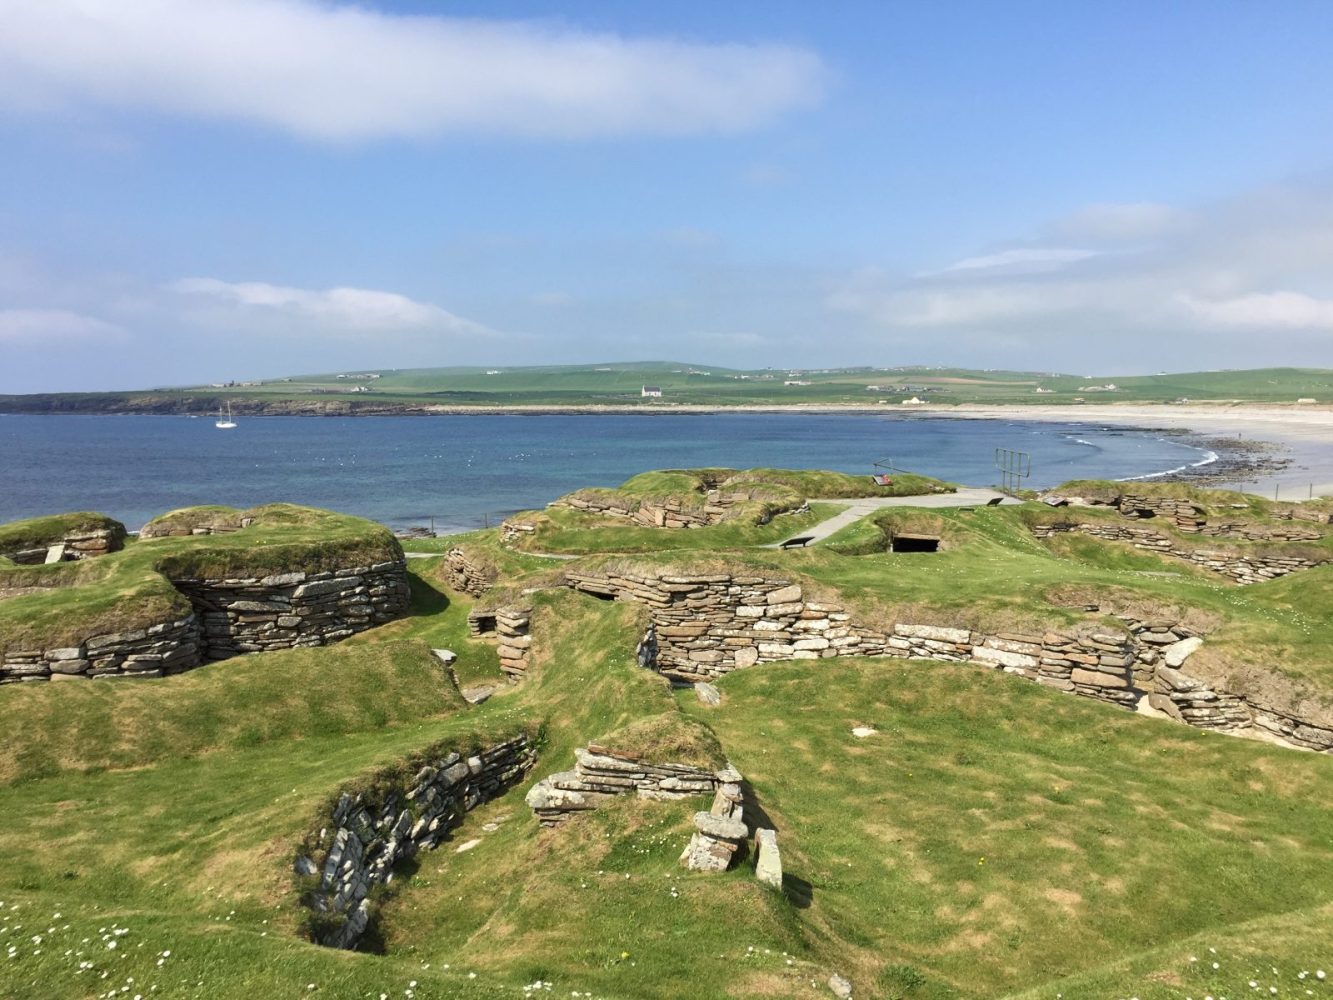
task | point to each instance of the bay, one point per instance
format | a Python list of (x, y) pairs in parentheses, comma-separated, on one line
[(465, 471)]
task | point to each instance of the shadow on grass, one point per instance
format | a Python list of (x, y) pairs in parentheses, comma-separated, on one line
[(426, 600)]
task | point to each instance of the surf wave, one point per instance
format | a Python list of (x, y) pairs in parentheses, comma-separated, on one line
[(1209, 458)]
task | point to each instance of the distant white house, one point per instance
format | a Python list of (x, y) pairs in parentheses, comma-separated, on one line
[(651, 391), (1306, 399), (914, 401), (494, 371), (796, 381)]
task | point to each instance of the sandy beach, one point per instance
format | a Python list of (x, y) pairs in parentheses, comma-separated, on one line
[(1304, 434)]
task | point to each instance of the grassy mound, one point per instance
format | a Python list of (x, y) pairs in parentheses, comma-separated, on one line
[(39, 531), (131, 589), (293, 694)]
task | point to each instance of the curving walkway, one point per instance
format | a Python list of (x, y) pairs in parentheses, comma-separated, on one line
[(859, 507)]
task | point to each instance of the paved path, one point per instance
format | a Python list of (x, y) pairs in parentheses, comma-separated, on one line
[(859, 507)]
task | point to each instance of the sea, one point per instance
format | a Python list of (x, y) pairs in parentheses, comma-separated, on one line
[(458, 472)]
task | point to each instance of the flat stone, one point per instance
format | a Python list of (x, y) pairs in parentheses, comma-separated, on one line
[(937, 632), (768, 863), (1177, 653), (861, 732), (466, 845), (720, 827), (785, 595), (842, 989), (708, 694)]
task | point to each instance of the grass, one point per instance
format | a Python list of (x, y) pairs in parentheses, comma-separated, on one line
[(620, 385), (578, 533), (38, 531), (130, 588), (296, 694), (994, 835), (991, 839)]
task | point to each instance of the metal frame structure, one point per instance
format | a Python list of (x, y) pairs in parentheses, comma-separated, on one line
[(1014, 467)]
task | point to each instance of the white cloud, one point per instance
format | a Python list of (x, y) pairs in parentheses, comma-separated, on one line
[(1286, 310), (354, 310), (53, 326), (343, 72), (1242, 281), (1026, 260)]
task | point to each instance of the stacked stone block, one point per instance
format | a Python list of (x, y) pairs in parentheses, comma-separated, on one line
[(372, 835), (600, 773), (286, 610), (465, 574), (85, 543), (510, 626), (1241, 567), (165, 648)]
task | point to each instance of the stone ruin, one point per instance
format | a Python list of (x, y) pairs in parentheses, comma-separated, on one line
[(369, 834)]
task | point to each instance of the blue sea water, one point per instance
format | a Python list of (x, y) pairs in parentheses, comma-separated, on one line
[(465, 471)]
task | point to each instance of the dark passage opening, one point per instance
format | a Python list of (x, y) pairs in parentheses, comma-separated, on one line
[(915, 543), (485, 624)]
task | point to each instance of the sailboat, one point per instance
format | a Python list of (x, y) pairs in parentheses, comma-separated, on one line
[(226, 423)]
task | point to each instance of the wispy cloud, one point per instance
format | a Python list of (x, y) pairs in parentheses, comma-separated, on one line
[(1247, 279), (54, 326), (348, 72), (345, 310)]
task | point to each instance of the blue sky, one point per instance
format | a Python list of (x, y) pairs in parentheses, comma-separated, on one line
[(193, 190)]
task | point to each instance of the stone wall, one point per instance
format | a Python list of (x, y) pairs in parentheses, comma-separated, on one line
[(1191, 517), (1240, 567), (509, 625), (166, 648), (706, 625), (85, 543), (465, 574), (600, 773), (231, 616), (668, 512), (253, 614), (369, 834), (168, 528)]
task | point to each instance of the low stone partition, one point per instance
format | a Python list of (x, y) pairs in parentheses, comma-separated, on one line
[(167, 648), (466, 574), (1241, 567), (719, 833), (600, 774), (78, 543), (666, 512), (167, 528), (509, 625), (253, 614), (370, 833), (1191, 517), (706, 625)]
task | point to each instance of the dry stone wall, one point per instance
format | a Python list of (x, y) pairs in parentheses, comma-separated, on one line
[(1241, 567), (78, 544), (669, 512), (166, 648), (1190, 517), (509, 626), (369, 835), (231, 616), (286, 610), (706, 625), (466, 574), (600, 773)]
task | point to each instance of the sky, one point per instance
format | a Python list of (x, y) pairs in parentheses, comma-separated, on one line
[(206, 190)]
